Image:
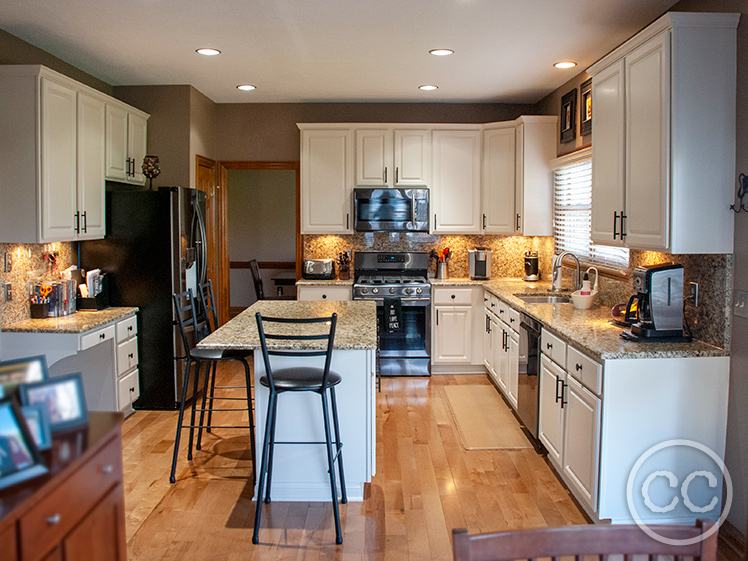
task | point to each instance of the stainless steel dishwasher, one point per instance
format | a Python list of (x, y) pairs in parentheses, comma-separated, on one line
[(529, 368)]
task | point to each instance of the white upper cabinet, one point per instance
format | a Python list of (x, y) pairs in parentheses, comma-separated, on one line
[(455, 194), (498, 185), (52, 153), (326, 180), (657, 170), (393, 157), (125, 144)]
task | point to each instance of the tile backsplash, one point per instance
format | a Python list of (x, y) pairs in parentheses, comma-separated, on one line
[(29, 263), (710, 322)]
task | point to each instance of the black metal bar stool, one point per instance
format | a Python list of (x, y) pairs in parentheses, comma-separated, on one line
[(193, 331), (299, 379)]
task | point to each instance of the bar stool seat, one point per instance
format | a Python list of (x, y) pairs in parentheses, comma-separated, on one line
[(300, 379)]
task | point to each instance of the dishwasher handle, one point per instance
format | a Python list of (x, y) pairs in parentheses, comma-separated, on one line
[(530, 329)]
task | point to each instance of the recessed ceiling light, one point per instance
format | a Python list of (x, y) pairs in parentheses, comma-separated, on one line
[(441, 52), (208, 52), (565, 64), (428, 87), (246, 87)]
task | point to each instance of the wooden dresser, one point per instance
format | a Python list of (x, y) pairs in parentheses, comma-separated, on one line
[(77, 511)]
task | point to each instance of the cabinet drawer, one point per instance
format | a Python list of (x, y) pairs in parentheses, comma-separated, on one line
[(60, 511), (553, 347), (453, 296), (99, 336), (584, 369), (324, 293), (127, 328), (511, 317), (127, 355), (128, 389)]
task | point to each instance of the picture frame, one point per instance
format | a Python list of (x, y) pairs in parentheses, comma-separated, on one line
[(585, 107), (568, 120), (37, 422), (13, 373), (63, 399), (19, 457)]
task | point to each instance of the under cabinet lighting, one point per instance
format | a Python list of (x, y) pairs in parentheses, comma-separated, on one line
[(428, 87), (565, 64), (441, 52), (246, 87), (208, 51)]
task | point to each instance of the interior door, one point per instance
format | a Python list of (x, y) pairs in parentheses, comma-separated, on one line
[(205, 180)]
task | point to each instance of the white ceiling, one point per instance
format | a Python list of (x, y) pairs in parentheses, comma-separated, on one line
[(333, 50)]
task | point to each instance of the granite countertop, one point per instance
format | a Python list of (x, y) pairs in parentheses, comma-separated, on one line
[(356, 328), (79, 322), (323, 282), (589, 330)]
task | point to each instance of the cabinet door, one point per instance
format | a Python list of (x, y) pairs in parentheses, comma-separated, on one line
[(608, 155), (512, 367), (648, 144), (456, 180), (453, 335), (412, 157), (100, 536), (91, 167), (59, 148), (116, 143), (582, 441), (551, 410), (326, 180), (374, 157), (498, 181), (136, 145), (487, 348)]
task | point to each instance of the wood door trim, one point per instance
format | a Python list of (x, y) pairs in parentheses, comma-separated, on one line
[(223, 176)]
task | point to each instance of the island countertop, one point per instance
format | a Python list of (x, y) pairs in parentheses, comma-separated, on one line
[(356, 328)]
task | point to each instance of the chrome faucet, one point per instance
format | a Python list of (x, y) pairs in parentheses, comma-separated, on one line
[(558, 277)]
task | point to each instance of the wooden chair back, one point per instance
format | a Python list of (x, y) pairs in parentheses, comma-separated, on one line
[(257, 279), (583, 543)]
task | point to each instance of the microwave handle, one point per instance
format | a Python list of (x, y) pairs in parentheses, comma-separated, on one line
[(413, 203)]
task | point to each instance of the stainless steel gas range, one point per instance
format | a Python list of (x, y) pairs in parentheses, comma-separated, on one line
[(398, 282)]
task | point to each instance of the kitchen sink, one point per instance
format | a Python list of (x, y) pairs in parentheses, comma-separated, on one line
[(544, 298)]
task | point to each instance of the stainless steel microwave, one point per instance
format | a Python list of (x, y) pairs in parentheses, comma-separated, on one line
[(390, 210)]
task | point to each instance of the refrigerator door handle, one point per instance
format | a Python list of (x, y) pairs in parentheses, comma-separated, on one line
[(201, 246)]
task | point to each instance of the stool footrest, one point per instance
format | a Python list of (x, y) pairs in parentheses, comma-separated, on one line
[(214, 410), (245, 427), (216, 397)]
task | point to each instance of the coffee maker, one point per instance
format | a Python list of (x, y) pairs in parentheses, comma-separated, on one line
[(656, 310), (532, 271), (479, 261)]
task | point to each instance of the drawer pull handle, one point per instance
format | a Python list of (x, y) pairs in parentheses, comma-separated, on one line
[(578, 367), (107, 468), (54, 520)]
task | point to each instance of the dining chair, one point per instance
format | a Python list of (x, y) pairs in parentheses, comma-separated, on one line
[(285, 342), (585, 541), (192, 331), (257, 280)]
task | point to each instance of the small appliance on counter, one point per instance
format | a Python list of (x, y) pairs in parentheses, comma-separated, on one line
[(655, 312), (318, 269), (532, 267), (479, 261)]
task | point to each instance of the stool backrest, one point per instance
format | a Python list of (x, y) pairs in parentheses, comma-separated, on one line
[(186, 312), (291, 336), (256, 279), (207, 307)]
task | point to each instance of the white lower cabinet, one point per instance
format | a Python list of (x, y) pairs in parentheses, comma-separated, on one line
[(513, 367), (501, 346), (453, 334), (312, 292), (551, 408), (455, 319), (128, 380)]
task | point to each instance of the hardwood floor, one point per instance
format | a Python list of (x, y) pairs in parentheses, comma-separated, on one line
[(426, 484)]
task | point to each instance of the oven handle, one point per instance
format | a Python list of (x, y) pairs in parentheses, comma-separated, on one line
[(413, 301)]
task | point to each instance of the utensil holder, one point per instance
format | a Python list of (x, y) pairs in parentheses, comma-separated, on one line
[(344, 274), (441, 270), (39, 311)]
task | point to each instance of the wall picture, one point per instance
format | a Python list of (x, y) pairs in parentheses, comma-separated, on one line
[(585, 115), (568, 118)]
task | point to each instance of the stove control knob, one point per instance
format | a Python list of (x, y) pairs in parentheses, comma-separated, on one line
[(392, 290), (375, 290), (364, 290), (419, 290), (408, 290)]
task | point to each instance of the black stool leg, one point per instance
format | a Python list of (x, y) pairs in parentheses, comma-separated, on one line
[(338, 446), (331, 465), (180, 419), (263, 466), (212, 394), (271, 453), (211, 366), (194, 405), (251, 415)]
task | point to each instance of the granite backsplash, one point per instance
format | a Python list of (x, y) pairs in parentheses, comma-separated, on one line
[(710, 322)]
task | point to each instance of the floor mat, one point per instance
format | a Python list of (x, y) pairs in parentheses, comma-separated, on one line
[(484, 421)]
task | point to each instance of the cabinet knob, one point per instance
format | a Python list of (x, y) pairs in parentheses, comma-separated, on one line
[(130, 355), (129, 327), (548, 346), (54, 520), (324, 296), (578, 367), (102, 336), (107, 468), (454, 296), (511, 320), (132, 390)]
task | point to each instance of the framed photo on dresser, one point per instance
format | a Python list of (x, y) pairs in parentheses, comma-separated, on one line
[(61, 397), (21, 371), (19, 456)]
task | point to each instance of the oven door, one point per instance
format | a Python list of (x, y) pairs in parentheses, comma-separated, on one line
[(407, 351), (390, 210)]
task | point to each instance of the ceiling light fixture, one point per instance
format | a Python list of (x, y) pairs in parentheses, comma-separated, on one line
[(441, 52), (428, 87), (246, 87), (565, 64), (208, 51)]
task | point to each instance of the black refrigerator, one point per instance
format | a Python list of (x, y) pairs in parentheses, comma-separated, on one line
[(155, 246)]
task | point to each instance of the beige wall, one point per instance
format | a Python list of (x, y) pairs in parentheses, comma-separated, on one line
[(202, 130)]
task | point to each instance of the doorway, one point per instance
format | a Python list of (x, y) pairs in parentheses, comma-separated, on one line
[(260, 221)]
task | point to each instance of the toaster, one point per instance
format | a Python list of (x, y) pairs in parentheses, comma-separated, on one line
[(318, 269)]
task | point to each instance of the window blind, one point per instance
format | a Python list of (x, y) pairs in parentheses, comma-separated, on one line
[(572, 216)]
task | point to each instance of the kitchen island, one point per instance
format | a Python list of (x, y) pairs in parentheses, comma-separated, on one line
[(300, 472)]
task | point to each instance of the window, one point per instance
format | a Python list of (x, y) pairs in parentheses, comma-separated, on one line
[(572, 214)]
